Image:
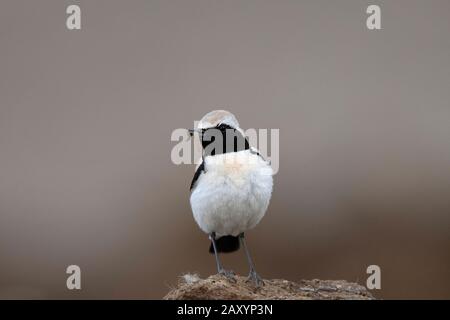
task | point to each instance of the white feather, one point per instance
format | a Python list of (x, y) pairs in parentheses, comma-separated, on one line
[(233, 193)]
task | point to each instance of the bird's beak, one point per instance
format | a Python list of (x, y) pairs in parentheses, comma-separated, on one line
[(192, 131)]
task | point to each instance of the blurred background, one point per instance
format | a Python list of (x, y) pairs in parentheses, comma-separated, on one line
[(86, 118)]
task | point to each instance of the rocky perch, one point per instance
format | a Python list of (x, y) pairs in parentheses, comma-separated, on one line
[(217, 287)]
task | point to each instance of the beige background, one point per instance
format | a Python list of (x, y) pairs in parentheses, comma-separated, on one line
[(86, 118)]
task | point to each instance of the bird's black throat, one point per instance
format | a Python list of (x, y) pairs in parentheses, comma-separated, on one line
[(223, 139)]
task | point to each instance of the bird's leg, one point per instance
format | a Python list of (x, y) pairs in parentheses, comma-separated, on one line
[(226, 273), (253, 276)]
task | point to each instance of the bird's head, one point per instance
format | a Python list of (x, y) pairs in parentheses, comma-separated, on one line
[(223, 124)]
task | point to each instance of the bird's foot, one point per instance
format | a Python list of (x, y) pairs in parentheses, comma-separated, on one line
[(255, 278), (229, 274)]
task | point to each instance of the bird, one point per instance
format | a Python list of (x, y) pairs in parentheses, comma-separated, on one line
[(231, 188)]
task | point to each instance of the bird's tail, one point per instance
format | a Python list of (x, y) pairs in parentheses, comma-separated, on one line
[(225, 244)]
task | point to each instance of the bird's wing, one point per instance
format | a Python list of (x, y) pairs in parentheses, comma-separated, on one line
[(255, 151), (198, 172)]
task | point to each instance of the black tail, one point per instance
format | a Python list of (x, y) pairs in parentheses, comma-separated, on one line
[(225, 244)]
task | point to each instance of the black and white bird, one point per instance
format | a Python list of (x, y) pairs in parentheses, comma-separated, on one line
[(231, 188)]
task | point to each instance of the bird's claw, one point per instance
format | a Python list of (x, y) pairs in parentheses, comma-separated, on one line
[(255, 278), (229, 274)]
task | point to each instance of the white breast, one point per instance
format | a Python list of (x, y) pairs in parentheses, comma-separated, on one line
[(233, 193)]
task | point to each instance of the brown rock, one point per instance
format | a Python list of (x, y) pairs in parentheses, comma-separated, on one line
[(217, 287)]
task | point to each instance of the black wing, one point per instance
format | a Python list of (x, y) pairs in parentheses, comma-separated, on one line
[(198, 172)]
